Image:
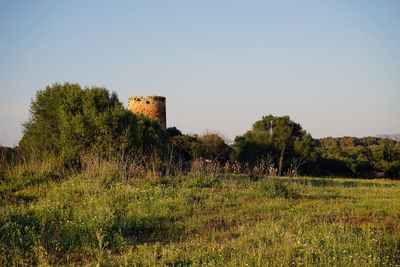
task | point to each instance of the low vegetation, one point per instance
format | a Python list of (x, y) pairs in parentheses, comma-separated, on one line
[(90, 183), (106, 215)]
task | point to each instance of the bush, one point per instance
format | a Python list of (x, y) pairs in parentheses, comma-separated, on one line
[(277, 137), (393, 170), (67, 120), (211, 147)]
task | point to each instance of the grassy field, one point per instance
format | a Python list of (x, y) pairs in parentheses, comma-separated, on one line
[(99, 217)]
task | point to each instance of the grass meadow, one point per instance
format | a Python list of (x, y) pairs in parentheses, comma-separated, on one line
[(100, 216)]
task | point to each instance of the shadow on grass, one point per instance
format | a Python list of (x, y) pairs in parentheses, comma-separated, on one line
[(9, 198), (161, 229), (321, 182), (10, 187), (13, 184), (25, 228), (328, 197)]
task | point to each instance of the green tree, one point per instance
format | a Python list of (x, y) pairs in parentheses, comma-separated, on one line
[(67, 120), (212, 147), (183, 146), (359, 157), (279, 137)]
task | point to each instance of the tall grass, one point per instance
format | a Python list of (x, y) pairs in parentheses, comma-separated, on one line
[(140, 211)]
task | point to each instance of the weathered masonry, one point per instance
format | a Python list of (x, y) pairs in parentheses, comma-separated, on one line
[(153, 107)]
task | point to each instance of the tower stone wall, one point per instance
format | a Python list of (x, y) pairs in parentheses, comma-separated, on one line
[(153, 107)]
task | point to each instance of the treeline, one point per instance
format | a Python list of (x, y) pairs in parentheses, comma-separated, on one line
[(360, 157), (284, 148), (68, 122)]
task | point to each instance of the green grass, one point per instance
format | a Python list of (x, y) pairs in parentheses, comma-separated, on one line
[(197, 220)]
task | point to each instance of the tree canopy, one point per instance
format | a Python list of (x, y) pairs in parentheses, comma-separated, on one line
[(277, 137), (360, 157), (67, 120)]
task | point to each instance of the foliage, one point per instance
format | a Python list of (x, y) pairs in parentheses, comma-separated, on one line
[(173, 131), (183, 145), (276, 137), (361, 157), (67, 120), (211, 147), (292, 150)]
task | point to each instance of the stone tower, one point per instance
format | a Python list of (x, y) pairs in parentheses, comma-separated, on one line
[(152, 107)]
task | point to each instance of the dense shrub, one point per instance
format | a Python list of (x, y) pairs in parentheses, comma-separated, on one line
[(67, 120), (359, 157), (277, 137), (182, 146), (286, 145), (211, 147)]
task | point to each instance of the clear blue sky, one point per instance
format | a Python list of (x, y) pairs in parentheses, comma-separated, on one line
[(333, 66)]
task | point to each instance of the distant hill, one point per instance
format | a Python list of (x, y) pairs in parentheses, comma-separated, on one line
[(395, 137)]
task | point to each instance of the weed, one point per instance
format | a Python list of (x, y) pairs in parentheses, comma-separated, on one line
[(274, 188), (109, 215)]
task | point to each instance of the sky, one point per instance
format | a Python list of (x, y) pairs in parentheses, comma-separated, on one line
[(332, 66)]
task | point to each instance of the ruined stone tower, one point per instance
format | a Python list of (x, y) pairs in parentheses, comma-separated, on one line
[(152, 107)]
